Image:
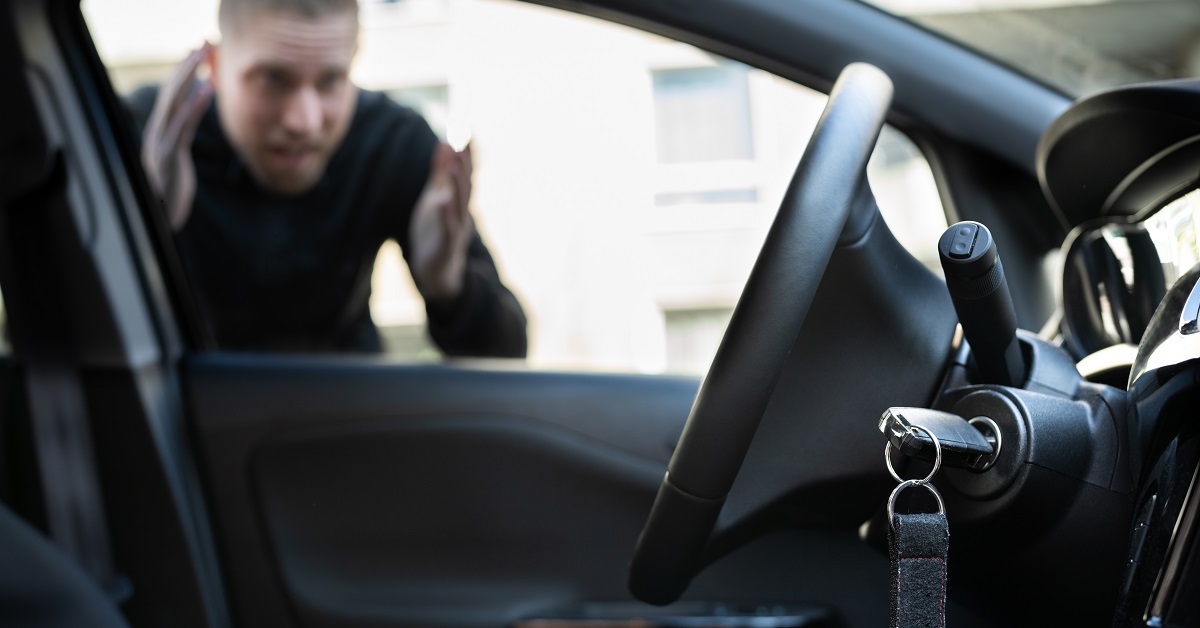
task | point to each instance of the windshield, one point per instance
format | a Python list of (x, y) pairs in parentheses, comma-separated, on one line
[(1076, 46)]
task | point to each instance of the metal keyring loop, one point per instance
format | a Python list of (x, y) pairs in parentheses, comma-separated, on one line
[(937, 458), (891, 505)]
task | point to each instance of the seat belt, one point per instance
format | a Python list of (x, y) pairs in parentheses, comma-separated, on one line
[(70, 486), (41, 334), (33, 201)]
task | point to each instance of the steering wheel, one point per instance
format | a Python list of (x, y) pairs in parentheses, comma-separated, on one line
[(830, 183)]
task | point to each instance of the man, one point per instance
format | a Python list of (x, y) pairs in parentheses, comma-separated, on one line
[(282, 180)]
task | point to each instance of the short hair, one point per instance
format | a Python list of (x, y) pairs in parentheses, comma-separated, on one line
[(231, 10)]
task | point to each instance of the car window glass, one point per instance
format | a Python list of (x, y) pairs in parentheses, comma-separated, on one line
[(623, 182)]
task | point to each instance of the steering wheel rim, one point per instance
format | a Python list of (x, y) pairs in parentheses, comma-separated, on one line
[(820, 201)]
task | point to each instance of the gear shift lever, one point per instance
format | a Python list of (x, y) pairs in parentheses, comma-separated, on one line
[(975, 279)]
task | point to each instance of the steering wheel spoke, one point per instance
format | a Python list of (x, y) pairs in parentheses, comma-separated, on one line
[(822, 201)]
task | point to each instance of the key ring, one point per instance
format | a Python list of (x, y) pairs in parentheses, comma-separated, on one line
[(937, 460), (891, 505)]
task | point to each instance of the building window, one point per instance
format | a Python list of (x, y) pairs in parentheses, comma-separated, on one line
[(693, 336), (431, 101), (706, 197), (703, 114)]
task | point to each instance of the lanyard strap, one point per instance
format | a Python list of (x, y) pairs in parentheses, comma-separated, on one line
[(918, 545)]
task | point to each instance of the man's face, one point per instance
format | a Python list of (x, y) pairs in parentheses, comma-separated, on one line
[(285, 99)]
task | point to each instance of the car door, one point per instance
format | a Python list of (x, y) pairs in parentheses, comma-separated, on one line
[(356, 491)]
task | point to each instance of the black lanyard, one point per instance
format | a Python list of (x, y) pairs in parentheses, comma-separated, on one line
[(918, 545)]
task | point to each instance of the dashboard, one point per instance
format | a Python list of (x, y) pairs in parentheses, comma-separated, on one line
[(1122, 168)]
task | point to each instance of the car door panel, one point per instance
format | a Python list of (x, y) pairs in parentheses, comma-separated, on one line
[(422, 514), (353, 489)]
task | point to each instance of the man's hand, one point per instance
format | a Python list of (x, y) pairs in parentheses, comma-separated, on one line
[(441, 225), (167, 139)]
